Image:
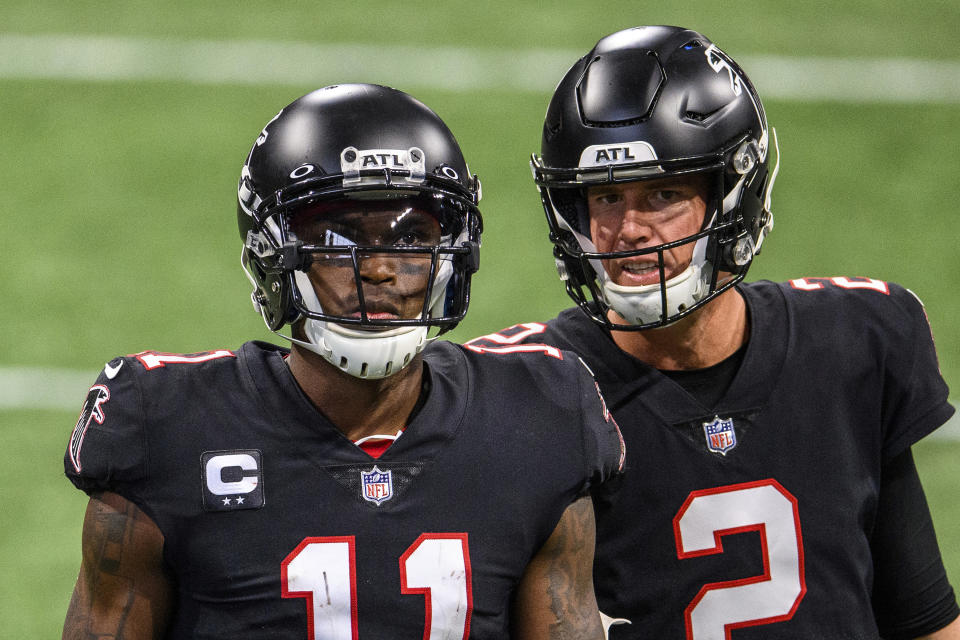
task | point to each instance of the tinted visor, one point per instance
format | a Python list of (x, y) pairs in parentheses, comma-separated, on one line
[(418, 221)]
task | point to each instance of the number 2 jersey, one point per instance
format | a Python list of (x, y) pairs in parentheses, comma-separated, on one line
[(754, 518), (276, 525)]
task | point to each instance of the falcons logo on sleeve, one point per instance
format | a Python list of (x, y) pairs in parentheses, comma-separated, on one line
[(92, 410)]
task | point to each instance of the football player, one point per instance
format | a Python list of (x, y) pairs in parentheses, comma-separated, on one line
[(771, 491), (367, 482)]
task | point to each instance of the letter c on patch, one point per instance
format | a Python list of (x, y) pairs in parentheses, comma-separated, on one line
[(246, 484)]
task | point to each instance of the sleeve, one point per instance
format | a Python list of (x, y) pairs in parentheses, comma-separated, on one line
[(915, 398), (605, 452), (912, 596), (106, 450)]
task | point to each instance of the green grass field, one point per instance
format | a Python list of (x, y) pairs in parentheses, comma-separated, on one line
[(119, 200)]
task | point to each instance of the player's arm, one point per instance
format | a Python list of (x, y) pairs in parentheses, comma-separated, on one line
[(949, 632), (555, 598), (912, 596), (122, 590)]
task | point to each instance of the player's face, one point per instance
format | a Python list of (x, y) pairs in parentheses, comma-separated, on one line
[(643, 214), (393, 285)]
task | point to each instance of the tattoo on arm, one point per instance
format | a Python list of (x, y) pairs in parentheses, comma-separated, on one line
[(556, 599), (572, 575), (122, 590)]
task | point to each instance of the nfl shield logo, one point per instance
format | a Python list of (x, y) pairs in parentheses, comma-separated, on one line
[(376, 485), (721, 436)]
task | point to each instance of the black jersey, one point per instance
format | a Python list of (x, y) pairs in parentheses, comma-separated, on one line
[(753, 518), (276, 525)]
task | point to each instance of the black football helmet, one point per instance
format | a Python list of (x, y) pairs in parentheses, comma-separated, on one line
[(647, 103), (368, 147)]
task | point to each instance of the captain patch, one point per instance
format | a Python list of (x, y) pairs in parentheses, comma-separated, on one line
[(232, 480)]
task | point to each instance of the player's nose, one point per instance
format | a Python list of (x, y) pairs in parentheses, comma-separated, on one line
[(635, 229), (378, 269)]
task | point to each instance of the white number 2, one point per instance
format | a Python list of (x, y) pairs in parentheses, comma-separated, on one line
[(708, 515), (436, 565)]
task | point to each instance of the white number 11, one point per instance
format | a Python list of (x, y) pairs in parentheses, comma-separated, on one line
[(436, 565)]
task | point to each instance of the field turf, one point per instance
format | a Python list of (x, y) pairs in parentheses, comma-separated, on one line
[(119, 200)]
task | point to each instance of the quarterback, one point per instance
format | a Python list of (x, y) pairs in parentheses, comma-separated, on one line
[(367, 482), (770, 490)]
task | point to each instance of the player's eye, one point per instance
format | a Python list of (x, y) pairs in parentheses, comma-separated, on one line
[(411, 238), (609, 199), (415, 236), (666, 197)]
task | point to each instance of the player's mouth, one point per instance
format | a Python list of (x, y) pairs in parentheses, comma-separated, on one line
[(638, 273), (376, 315), (378, 312)]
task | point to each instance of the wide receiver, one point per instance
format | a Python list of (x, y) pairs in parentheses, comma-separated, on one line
[(771, 491), (368, 482)]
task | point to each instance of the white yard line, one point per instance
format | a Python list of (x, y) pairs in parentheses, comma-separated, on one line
[(263, 62), (44, 388), (65, 389), (951, 430)]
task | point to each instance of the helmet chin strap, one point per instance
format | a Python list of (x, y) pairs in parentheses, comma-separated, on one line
[(642, 305), (364, 354)]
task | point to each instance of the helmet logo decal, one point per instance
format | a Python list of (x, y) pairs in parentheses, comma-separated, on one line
[(301, 171), (599, 155), (353, 161), (263, 133), (718, 62)]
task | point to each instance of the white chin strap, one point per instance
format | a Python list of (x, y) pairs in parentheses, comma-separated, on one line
[(364, 354), (642, 305)]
